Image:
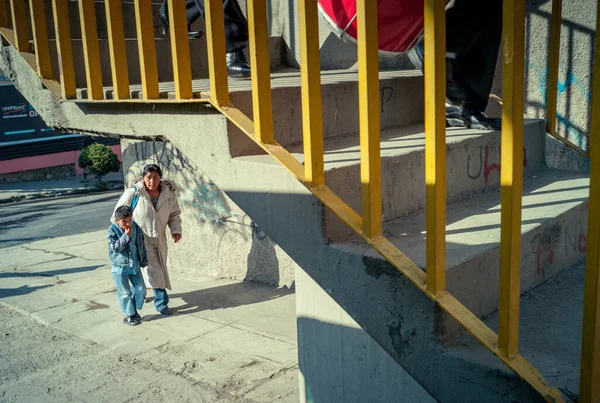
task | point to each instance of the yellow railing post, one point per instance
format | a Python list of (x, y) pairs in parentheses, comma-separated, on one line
[(261, 70), (369, 115), (180, 50), (215, 43), (312, 108), (3, 14), (40, 38), (435, 143), (589, 386), (64, 48), (19, 21), (511, 177), (147, 48), (91, 50), (552, 85), (116, 45)]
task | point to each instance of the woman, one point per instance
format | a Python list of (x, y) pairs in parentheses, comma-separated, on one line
[(155, 207)]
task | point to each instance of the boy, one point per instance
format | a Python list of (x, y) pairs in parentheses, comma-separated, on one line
[(128, 255)]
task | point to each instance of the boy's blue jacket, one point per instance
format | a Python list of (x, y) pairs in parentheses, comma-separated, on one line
[(120, 250)]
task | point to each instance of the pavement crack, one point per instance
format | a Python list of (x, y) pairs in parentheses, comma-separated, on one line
[(56, 253), (50, 261)]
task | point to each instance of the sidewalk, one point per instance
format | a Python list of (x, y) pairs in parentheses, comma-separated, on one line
[(239, 338), (15, 192)]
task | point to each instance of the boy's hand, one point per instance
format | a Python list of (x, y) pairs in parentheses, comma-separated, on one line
[(176, 237), (128, 231)]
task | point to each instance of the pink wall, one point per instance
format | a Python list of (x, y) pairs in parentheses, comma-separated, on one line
[(47, 161)]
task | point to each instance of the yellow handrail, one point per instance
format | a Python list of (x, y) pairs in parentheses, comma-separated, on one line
[(180, 50), (40, 38), (511, 178), (552, 87), (369, 116), (91, 49), (215, 43), (64, 48), (312, 111), (147, 48), (19, 21), (261, 70), (589, 387), (368, 225), (116, 47), (435, 144)]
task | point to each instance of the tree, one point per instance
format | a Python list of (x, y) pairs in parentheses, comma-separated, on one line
[(99, 160)]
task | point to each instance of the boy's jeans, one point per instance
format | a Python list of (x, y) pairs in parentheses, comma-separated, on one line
[(131, 297)]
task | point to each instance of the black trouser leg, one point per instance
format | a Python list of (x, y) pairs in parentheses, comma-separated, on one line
[(474, 33), (236, 25), (192, 12)]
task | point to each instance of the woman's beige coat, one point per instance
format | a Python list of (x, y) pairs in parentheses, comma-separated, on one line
[(154, 225)]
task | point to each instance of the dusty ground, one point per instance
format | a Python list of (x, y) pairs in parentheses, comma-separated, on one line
[(62, 339), (42, 364)]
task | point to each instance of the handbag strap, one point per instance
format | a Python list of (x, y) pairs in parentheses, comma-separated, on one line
[(135, 198)]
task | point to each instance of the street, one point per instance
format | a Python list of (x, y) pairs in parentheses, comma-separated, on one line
[(62, 334), (27, 222)]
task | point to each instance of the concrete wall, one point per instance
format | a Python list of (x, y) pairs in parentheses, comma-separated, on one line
[(357, 368), (574, 87), (219, 240)]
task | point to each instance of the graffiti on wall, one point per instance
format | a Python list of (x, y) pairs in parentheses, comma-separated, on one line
[(167, 156), (545, 244), (482, 165), (385, 96), (210, 206), (570, 84)]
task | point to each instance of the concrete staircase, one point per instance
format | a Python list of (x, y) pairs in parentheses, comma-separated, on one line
[(163, 47), (355, 311)]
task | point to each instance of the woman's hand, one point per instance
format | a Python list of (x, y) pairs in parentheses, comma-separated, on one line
[(176, 237)]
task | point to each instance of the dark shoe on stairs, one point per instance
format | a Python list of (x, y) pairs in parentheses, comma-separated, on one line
[(164, 29), (237, 64), (471, 118)]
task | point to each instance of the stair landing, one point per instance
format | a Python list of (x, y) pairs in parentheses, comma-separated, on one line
[(280, 78)]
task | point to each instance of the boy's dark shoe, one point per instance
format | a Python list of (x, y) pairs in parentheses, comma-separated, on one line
[(131, 321), (166, 311), (137, 316)]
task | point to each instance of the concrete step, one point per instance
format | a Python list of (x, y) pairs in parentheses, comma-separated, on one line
[(198, 56), (401, 98), (401, 101), (473, 160), (554, 224), (550, 330), (128, 19)]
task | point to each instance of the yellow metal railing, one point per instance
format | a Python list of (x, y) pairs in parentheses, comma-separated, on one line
[(368, 224), (552, 88)]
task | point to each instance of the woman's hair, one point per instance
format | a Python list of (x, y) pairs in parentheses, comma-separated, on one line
[(152, 168)]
